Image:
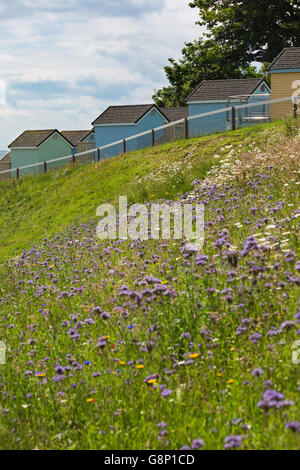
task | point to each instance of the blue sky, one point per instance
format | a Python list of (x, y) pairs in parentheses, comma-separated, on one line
[(64, 61)]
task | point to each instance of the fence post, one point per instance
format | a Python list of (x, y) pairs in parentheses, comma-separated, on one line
[(153, 137), (295, 107), (98, 155), (124, 145), (186, 128), (18, 173), (73, 159), (233, 118), (45, 167)]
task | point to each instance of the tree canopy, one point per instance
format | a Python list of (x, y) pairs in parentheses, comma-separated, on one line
[(257, 30), (239, 32)]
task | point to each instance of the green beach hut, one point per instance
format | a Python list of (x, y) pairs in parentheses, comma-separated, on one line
[(39, 146)]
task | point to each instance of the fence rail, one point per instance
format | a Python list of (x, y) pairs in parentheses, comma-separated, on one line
[(172, 131)]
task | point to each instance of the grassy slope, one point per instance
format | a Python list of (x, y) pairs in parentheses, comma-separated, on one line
[(62, 389), (34, 207)]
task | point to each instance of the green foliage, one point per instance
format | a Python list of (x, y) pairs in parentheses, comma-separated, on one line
[(256, 31), (291, 126), (201, 60), (239, 33)]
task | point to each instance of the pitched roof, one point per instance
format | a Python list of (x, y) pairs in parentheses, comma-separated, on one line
[(6, 158), (75, 137), (128, 114), (223, 89), (34, 138), (175, 114), (289, 58)]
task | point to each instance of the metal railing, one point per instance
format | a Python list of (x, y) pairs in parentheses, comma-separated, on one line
[(259, 114), (190, 126)]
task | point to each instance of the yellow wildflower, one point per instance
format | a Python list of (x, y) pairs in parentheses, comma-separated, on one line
[(152, 381)]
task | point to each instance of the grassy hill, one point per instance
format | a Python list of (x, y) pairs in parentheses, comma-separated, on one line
[(39, 206), (145, 345)]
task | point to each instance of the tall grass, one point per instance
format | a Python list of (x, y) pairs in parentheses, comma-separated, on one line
[(144, 345)]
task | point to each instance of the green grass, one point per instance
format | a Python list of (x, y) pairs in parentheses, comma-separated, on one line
[(36, 206), (52, 300)]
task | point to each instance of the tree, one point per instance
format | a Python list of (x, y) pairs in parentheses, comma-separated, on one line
[(257, 29), (239, 32), (201, 60)]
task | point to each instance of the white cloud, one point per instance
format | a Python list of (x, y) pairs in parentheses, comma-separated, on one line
[(63, 69)]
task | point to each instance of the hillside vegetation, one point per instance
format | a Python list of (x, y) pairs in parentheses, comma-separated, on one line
[(125, 344), (39, 206)]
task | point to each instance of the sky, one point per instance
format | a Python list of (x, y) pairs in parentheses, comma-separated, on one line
[(63, 62)]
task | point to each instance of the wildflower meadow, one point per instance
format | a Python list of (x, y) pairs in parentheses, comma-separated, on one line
[(130, 344)]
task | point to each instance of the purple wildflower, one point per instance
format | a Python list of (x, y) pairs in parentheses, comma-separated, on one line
[(197, 444), (293, 426), (233, 442)]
